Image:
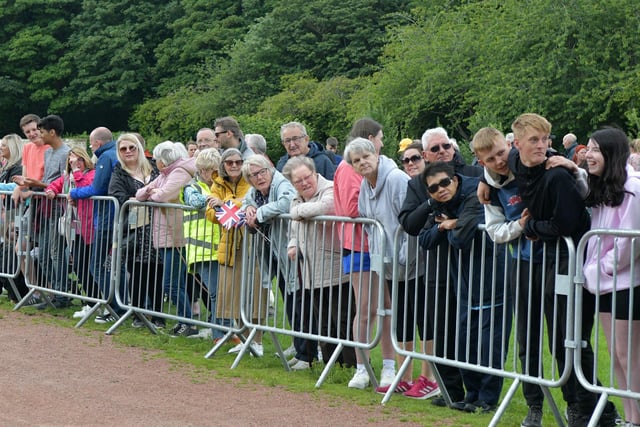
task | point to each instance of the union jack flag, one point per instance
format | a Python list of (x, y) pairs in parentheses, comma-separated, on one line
[(229, 215)]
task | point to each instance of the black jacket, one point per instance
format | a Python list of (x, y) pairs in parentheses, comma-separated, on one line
[(552, 199), (416, 206)]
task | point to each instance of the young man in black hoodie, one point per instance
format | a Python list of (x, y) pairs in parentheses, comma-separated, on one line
[(556, 209)]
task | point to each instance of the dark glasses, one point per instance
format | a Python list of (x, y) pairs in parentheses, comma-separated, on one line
[(233, 162), (436, 148), (434, 187), (413, 159), (126, 148)]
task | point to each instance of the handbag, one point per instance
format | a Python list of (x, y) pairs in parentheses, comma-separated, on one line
[(68, 224)]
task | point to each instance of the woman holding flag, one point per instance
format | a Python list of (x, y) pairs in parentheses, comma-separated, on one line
[(227, 192)]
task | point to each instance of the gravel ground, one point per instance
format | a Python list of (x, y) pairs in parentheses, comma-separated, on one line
[(58, 376)]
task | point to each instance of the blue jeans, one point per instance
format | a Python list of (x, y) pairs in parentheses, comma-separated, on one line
[(174, 280), (52, 256), (100, 250)]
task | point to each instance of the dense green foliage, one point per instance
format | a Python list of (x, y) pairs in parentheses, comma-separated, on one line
[(169, 68)]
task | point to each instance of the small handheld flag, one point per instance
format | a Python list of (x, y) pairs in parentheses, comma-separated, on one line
[(229, 215)]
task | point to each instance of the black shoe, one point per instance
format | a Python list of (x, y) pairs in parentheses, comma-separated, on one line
[(184, 330), (574, 417), (107, 318), (158, 322), (533, 418), (31, 302), (55, 303), (439, 401), (460, 405), (610, 416), (480, 406)]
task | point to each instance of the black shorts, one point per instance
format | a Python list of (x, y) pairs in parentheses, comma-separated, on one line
[(623, 302)]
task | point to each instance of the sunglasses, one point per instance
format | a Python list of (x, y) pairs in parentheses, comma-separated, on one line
[(413, 159), (444, 183), (436, 148), (233, 162), (126, 148)]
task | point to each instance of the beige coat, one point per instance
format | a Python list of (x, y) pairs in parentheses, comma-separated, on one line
[(318, 245)]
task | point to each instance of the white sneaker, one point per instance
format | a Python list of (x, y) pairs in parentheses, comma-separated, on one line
[(300, 366), (82, 312), (360, 379), (257, 349), (236, 349), (291, 351), (204, 333), (387, 376)]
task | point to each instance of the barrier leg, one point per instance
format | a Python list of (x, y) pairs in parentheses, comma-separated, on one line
[(599, 409), (24, 299), (329, 365), (552, 404), (505, 402), (118, 322), (246, 346), (397, 379), (87, 316)]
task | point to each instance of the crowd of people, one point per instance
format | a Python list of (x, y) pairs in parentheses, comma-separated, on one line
[(522, 190)]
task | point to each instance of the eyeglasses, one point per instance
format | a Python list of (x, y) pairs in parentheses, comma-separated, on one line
[(217, 134), (413, 159), (233, 162), (436, 148), (126, 148), (262, 172), (293, 139), (302, 180), (444, 183)]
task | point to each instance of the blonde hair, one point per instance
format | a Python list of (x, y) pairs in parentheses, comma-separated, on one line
[(81, 153), (142, 164), (15, 144), (530, 121), (485, 139)]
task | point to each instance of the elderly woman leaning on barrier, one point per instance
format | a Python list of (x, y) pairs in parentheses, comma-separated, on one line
[(79, 173), (176, 170), (231, 186), (382, 193), (270, 195), (609, 269), (317, 250), (484, 303), (202, 235), (132, 173)]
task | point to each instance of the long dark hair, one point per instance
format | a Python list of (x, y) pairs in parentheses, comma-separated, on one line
[(608, 189)]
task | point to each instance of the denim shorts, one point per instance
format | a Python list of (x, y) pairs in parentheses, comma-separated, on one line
[(355, 262)]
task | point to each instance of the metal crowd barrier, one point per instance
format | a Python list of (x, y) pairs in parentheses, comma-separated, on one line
[(10, 272), (495, 301), (62, 260), (318, 301), (143, 261), (625, 245)]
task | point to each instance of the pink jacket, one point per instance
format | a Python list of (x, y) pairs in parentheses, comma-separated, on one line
[(85, 206), (167, 223), (602, 256), (346, 188)]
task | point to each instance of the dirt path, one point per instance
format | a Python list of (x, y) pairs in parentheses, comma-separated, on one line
[(56, 376)]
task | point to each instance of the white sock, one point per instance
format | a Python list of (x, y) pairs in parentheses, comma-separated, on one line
[(389, 364)]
